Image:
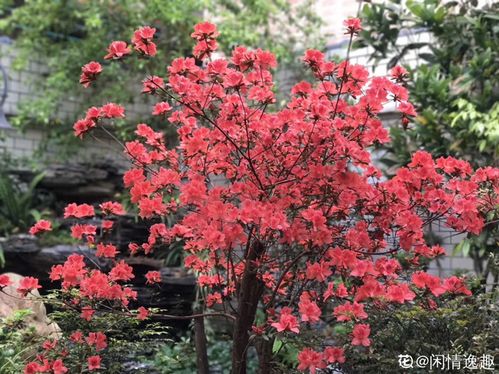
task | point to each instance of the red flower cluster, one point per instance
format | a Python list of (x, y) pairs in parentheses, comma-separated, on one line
[(4, 281), (205, 33), (353, 25), (311, 360), (79, 211), (89, 73), (28, 284), (142, 41), (94, 114), (44, 363), (40, 226), (117, 50)]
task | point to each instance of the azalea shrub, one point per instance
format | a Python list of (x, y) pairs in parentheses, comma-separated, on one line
[(115, 341), (286, 221)]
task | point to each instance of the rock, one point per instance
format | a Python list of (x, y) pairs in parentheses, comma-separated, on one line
[(39, 264), (22, 244), (10, 302), (80, 181)]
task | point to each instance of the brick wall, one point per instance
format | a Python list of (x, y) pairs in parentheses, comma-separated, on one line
[(21, 88)]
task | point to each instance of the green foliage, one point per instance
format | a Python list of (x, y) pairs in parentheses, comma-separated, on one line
[(456, 94), (180, 357), (17, 211), (66, 34), (56, 237), (130, 341), (463, 326), (16, 342)]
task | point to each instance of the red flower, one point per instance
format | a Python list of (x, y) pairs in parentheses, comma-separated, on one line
[(152, 84), (94, 362), (407, 109), (204, 30), (319, 271), (360, 335), (161, 108), (309, 310), (349, 311), (425, 280), (58, 367), (205, 33), (28, 284), (107, 224), (286, 322), (117, 50), (93, 113), (334, 354), (121, 272), (32, 368), (145, 33), (89, 73), (112, 110), (4, 281), (82, 126), (87, 313), (79, 211), (49, 344), (341, 291), (77, 337), (353, 25), (97, 339), (142, 41), (456, 286), (213, 298), (399, 73), (400, 293), (77, 231), (112, 207), (41, 226), (106, 250), (310, 360), (153, 277), (143, 313), (204, 48)]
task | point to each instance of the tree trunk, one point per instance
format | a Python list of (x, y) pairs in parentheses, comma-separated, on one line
[(201, 350), (249, 293), (264, 351)]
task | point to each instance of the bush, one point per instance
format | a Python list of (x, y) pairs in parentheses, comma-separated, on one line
[(463, 326), (17, 342)]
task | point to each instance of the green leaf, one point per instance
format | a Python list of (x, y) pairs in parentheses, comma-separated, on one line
[(463, 248), (276, 347), (2, 258)]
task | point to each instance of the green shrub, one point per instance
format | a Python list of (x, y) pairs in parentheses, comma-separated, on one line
[(464, 326), (16, 342)]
